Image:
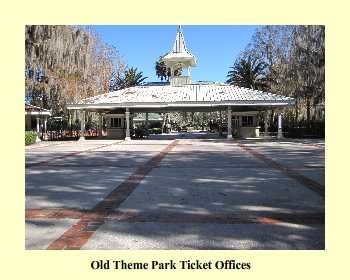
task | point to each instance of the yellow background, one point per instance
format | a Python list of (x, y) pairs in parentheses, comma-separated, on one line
[(16, 263)]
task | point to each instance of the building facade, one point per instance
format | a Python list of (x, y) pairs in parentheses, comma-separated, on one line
[(181, 94)]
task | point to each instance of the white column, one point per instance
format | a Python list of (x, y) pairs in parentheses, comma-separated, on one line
[(127, 118), (279, 133), (45, 124), (220, 123), (266, 124), (100, 124), (82, 124), (37, 124), (229, 123), (146, 124), (37, 129)]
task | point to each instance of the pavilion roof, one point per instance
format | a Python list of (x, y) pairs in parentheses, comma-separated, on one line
[(31, 109), (192, 93)]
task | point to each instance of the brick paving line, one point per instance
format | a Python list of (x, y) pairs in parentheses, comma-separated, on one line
[(314, 218), (78, 234), (71, 154), (291, 173), (44, 146), (311, 144)]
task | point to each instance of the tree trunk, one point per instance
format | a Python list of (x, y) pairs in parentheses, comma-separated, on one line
[(296, 113), (308, 108)]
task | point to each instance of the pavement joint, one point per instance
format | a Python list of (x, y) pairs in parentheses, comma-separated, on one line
[(76, 228), (77, 235), (95, 218), (291, 173), (44, 162), (44, 146)]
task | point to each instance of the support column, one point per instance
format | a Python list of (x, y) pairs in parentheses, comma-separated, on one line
[(279, 133), (266, 123), (220, 123), (37, 124), (100, 124), (82, 126), (229, 123), (37, 130), (146, 124), (127, 119), (45, 124)]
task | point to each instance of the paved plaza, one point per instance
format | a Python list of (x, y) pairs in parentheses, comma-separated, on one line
[(178, 191)]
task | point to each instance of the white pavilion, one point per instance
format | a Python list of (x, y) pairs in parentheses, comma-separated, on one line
[(181, 94)]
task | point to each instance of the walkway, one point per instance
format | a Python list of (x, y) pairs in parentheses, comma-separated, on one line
[(175, 194)]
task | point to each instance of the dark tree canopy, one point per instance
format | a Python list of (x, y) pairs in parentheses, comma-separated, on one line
[(131, 77), (294, 65), (248, 72), (65, 64)]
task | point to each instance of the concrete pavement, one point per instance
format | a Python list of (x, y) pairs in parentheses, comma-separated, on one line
[(174, 194)]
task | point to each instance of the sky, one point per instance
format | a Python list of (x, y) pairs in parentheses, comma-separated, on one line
[(216, 47)]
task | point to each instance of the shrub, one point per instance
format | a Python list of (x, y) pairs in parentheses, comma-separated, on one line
[(155, 130), (30, 137), (140, 132)]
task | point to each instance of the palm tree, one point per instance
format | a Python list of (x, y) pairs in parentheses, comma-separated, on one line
[(249, 73), (130, 78), (161, 70)]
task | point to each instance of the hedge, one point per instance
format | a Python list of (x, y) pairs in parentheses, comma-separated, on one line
[(155, 130), (30, 137)]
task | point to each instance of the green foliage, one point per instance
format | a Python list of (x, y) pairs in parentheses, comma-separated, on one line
[(57, 124), (140, 132), (155, 130), (162, 71), (30, 137), (249, 73), (287, 60), (131, 77)]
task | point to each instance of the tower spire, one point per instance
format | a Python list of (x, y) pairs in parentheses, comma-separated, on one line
[(179, 57)]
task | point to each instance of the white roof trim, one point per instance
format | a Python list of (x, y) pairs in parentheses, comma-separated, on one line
[(43, 113), (193, 95)]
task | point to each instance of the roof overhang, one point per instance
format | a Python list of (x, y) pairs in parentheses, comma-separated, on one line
[(183, 59), (35, 113), (181, 105)]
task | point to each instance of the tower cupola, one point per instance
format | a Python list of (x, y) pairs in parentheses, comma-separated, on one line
[(178, 59)]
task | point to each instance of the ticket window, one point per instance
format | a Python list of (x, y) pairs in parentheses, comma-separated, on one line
[(116, 123), (247, 121), (235, 122)]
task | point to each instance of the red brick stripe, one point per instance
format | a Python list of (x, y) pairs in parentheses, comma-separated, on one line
[(71, 154), (237, 218), (76, 236), (182, 218), (307, 182), (54, 213), (50, 145)]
